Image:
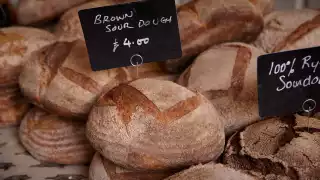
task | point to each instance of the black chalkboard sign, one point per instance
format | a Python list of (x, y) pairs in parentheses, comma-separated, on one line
[(4, 15), (289, 82), (131, 34)]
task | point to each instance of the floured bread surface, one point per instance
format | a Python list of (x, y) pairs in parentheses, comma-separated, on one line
[(17, 164), (205, 23), (227, 75), (52, 139), (59, 78), (211, 172), (103, 169), (277, 149), (152, 124), (290, 30), (264, 6)]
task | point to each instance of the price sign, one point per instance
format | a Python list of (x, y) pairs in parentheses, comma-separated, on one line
[(131, 34), (289, 82)]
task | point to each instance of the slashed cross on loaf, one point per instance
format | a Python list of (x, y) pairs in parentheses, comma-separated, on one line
[(148, 29)]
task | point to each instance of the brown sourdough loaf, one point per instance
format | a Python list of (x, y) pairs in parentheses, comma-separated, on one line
[(34, 11), (59, 78), (277, 149), (211, 171), (203, 23), (227, 75), (16, 44), (50, 138), (153, 124), (289, 30), (103, 169)]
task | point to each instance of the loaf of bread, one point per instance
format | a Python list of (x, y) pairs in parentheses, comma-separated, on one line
[(103, 169), (203, 23), (53, 139), (16, 43), (34, 11), (264, 6), (59, 78), (289, 30), (17, 164), (227, 75), (211, 171), (153, 124), (277, 148)]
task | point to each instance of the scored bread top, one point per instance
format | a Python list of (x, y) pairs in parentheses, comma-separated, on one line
[(59, 78), (203, 23), (226, 69), (289, 30), (151, 124)]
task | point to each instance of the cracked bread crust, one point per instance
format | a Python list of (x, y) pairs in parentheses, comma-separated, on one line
[(152, 124), (277, 148), (212, 171)]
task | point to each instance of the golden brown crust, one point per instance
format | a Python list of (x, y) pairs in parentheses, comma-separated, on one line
[(11, 116), (151, 124), (59, 78), (53, 139), (203, 23)]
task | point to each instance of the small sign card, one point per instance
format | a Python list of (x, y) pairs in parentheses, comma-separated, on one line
[(131, 34), (289, 82)]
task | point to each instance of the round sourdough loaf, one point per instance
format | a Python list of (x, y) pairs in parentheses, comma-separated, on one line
[(53, 139), (34, 11), (289, 30), (59, 78), (211, 172), (276, 148), (16, 44), (204, 23), (103, 169), (69, 26), (227, 75), (153, 124)]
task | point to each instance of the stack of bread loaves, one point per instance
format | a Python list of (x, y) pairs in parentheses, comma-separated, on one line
[(143, 123)]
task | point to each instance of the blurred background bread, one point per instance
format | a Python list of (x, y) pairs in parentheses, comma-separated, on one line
[(16, 44), (53, 139)]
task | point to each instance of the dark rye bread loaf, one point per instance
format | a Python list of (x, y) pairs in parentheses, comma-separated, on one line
[(16, 44), (289, 30), (53, 139), (203, 23), (153, 124), (34, 11), (59, 78), (211, 171), (284, 149), (103, 169), (227, 75)]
